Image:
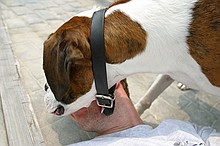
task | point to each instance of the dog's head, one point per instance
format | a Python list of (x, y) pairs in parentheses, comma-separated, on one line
[(67, 60), (68, 70)]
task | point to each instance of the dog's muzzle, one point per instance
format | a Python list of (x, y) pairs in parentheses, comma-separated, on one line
[(52, 105), (55, 107)]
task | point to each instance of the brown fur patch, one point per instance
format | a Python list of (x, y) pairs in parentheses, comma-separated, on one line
[(204, 39), (81, 24), (124, 38)]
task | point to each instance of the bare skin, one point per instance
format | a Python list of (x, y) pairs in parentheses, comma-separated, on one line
[(125, 116)]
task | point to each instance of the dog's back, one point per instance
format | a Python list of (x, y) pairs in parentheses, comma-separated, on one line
[(182, 39)]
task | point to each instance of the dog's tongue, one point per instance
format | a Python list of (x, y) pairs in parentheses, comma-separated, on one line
[(59, 111)]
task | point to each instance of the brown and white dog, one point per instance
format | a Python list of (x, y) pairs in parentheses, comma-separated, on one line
[(178, 39)]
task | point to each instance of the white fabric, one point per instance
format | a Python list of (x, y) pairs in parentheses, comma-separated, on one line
[(168, 133)]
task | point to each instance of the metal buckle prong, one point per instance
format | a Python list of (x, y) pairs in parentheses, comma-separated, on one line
[(105, 98)]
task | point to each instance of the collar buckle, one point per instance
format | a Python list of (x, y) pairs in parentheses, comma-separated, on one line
[(105, 101)]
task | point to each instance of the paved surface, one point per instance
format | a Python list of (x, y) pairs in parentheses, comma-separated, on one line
[(27, 23)]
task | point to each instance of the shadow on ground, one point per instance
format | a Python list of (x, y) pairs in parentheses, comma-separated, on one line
[(199, 111)]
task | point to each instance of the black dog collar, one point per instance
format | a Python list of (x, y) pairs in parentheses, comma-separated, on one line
[(104, 97)]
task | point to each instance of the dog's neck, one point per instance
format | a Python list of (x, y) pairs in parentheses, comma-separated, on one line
[(127, 34)]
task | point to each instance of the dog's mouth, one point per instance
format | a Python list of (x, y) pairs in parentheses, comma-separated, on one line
[(59, 111)]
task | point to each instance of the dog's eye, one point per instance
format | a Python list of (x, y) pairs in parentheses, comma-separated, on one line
[(46, 87)]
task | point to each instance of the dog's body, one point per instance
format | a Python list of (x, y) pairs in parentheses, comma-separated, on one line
[(179, 39)]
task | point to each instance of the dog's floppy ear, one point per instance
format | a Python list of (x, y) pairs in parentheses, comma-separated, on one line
[(66, 60), (53, 61), (72, 47)]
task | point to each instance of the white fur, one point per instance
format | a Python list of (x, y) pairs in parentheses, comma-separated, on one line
[(166, 23)]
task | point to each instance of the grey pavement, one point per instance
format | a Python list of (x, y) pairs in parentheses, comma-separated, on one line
[(27, 23)]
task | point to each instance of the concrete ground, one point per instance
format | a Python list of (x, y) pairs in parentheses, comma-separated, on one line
[(27, 24)]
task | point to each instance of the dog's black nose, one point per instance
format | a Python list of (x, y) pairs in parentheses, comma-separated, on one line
[(46, 87), (59, 111)]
